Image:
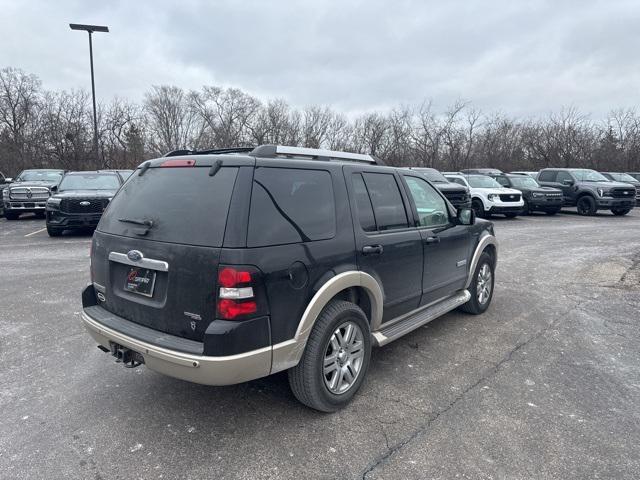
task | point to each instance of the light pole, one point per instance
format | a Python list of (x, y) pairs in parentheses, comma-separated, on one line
[(90, 29)]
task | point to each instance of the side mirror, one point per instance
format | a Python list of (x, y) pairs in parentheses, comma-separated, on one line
[(8, 180), (466, 216), (567, 182), (54, 189)]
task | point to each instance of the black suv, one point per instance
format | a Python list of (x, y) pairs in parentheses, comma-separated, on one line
[(535, 197), (458, 195), (224, 266), (589, 190), (29, 192), (80, 199)]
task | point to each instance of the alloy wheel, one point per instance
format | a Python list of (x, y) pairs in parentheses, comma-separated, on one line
[(484, 285), (343, 358)]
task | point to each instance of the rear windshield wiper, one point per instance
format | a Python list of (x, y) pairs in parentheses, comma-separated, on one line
[(144, 223)]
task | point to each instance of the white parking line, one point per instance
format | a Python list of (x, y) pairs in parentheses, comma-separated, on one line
[(37, 231)]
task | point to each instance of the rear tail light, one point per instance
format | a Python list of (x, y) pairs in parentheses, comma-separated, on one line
[(239, 292)]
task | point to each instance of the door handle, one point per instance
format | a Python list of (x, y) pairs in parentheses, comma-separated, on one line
[(372, 250), (431, 240)]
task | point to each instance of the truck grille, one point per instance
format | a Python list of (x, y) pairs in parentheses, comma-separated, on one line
[(75, 205), (456, 197), (623, 192), (31, 194), (509, 197)]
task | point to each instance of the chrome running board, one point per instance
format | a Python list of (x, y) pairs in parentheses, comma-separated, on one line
[(422, 316)]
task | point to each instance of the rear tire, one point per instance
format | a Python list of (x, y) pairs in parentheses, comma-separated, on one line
[(586, 206), (620, 211), (11, 215), (53, 231), (312, 380), (481, 287)]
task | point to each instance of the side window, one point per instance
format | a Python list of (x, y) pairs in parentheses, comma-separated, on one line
[(457, 180), (289, 206), (432, 209), (363, 203), (562, 176), (502, 181), (547, 176), (386, 200)]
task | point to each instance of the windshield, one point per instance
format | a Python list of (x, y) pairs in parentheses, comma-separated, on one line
[(90, 181), (432, 175), (585, 175), (623, 177), (39, 176), (482, 181), (524, 182)]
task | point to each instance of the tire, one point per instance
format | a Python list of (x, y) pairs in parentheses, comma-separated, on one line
[(620, 211), (11, 215), (478, 304), (511, 215), (308, 380), (40, 215), (586, 206), (478, 208), (53, 231), (552, 212)]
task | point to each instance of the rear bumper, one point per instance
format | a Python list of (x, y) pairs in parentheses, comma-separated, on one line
[(206, 370)]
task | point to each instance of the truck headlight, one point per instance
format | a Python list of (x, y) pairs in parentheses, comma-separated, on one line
[(537, 195), (493, 197), (54, 203), (5, 193), (603, 192)]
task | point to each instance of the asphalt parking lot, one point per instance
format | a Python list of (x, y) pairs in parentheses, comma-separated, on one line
[(546, 384)]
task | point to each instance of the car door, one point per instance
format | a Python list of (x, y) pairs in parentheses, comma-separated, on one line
[(565, 182), (446, 245), (388, 246)]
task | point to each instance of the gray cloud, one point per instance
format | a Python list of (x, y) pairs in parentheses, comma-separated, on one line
[(354, 55)]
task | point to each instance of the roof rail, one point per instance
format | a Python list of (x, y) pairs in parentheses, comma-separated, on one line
[(213, 151), (283, 151)]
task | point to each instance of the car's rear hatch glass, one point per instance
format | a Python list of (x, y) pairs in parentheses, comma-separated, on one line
[(181, 205)]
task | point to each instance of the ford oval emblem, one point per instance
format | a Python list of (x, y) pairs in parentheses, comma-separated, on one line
[(85, 203), (134, 255)]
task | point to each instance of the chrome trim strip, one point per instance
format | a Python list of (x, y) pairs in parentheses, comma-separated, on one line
[(149, 263), (485, 241)]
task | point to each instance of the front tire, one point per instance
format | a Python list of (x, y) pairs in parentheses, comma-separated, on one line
[(481, 288), (620, 211), (478, 208), (586, 206), (53, 231), (335, 359)]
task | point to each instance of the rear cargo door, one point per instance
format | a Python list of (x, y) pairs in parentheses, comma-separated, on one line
[(156, 250)]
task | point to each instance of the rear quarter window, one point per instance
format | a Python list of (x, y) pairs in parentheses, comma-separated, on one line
[(289, 206), (186, 205)]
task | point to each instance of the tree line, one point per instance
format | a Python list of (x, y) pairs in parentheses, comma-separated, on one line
[(41, 128)]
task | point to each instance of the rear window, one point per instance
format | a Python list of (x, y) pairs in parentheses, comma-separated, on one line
[(289, 206), (186, 205), (386, 200)]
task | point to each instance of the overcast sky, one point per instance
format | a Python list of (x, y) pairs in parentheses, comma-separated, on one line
[(521, 58)]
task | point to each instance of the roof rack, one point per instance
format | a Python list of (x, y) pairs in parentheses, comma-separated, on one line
[(283, 151), (213, 151)]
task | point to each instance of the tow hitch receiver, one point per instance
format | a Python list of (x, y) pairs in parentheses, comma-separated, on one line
[(126, 356)]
